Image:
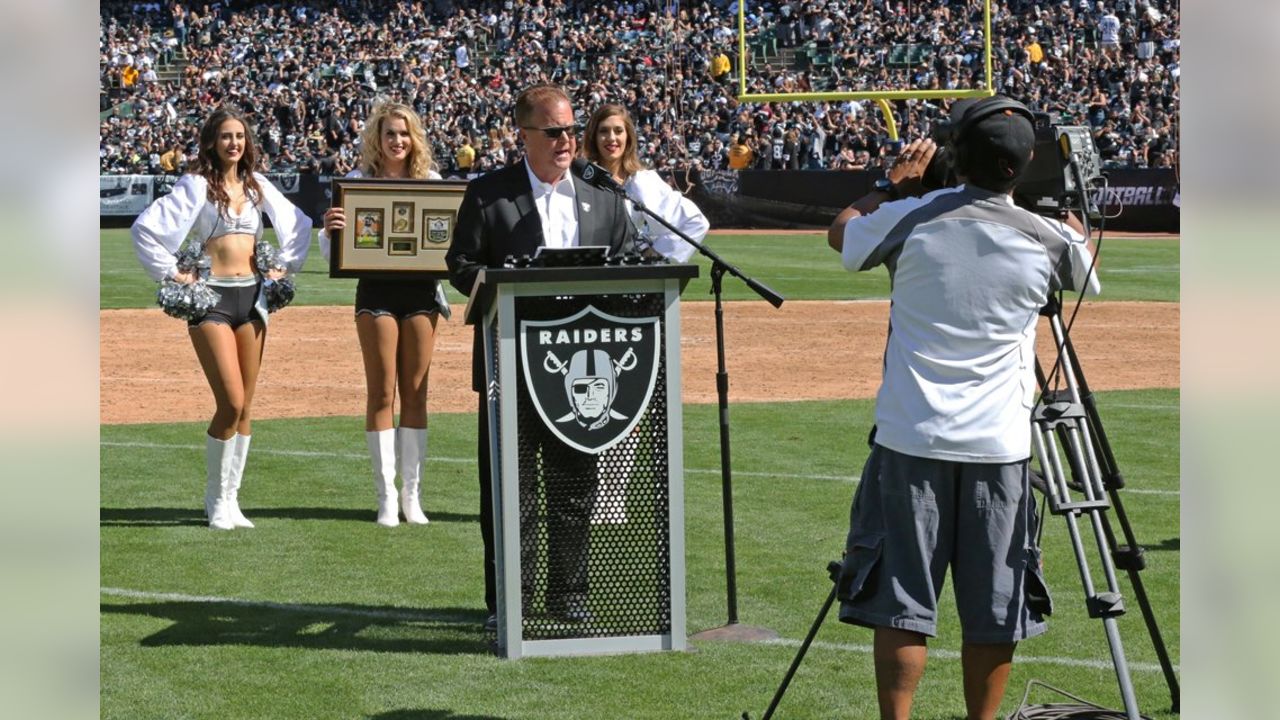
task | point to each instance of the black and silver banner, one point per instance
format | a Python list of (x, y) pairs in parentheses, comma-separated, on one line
[(590, 375)]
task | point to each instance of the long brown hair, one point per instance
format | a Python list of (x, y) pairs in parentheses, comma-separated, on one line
[(372, 163), (630, 161), (209, 165)]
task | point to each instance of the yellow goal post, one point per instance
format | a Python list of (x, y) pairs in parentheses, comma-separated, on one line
[(881, 97)]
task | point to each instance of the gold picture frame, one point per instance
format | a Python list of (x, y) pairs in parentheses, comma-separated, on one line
[(379, 242)]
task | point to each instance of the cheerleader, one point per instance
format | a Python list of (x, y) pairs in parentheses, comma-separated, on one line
[(611, 142), (396, 325), (224, 280)]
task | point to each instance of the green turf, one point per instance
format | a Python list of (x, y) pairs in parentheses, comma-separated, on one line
[(318, 612), (799, 266)]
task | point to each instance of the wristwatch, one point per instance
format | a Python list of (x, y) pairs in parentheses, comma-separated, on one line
[(886, 186)]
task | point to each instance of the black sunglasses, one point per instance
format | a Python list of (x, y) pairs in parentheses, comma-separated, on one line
[(555, 132)]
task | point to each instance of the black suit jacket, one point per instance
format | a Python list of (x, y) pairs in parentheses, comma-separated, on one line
[(498, 218)]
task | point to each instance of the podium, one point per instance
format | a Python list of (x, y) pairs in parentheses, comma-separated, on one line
[(582, 369)]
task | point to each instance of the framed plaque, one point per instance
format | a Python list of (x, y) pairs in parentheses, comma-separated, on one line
[(395, 228)]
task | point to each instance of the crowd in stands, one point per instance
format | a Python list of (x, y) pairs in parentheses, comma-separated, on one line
[(308, 74)]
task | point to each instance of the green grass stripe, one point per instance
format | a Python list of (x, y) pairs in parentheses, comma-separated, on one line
[(800, 266)]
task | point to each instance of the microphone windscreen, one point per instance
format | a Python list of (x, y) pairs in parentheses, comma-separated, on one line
[(594, 175)]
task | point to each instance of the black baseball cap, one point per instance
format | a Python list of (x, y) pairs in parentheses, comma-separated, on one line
[(998, 146)]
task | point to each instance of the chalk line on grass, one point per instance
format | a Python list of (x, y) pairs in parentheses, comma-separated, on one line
[(851, 479)]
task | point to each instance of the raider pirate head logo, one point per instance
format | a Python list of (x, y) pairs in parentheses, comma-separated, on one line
[(590, 376)]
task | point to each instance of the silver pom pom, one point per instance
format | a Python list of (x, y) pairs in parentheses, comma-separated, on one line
[(193, 301), (186, 302), (267, 257), (279, 292)]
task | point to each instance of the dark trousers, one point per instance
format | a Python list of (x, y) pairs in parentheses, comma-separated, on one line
[(567, 482)]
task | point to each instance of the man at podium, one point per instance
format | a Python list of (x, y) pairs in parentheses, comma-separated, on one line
[(513, 211)]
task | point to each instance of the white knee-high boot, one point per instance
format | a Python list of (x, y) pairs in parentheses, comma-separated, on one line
[(219, 463), (382, 454), (411, 446), (241, 451)]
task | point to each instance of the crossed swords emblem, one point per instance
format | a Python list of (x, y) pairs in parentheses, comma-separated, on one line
[(553, 364)]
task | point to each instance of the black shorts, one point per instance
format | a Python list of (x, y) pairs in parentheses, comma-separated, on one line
[(398, 298), (235, 306)]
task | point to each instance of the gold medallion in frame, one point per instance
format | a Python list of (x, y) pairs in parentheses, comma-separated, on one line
[(402, 218)]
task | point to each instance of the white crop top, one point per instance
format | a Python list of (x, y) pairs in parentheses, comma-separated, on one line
[(246, 223), (160, 230)]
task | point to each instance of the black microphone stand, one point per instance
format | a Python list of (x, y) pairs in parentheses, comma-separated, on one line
[(732, 630)]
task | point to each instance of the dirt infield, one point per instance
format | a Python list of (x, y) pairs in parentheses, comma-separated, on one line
[(803, 351)]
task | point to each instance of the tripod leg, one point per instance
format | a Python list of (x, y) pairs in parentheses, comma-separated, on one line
[(1105, 471), (804, 648), (1129, 556), (1107, 605), (1062, 418)]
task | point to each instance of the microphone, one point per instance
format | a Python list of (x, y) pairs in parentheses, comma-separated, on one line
[(596, 176)]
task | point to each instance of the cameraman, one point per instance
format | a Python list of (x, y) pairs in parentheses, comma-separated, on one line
[(947, 479)]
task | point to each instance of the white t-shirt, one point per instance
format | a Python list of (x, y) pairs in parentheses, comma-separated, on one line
[(1109, 29), (970, 273)]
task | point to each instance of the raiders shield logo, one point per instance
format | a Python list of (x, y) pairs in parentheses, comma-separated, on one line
[(438, 228), (590, 375)]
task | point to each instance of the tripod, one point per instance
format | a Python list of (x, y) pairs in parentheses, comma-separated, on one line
[(1066, 423)]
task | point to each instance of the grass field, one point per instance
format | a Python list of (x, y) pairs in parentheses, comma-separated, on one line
[(319, 613), (800, 266)]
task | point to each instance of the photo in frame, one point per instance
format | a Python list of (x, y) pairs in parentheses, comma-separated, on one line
[(402, 218), (395, 228), (369, 228)]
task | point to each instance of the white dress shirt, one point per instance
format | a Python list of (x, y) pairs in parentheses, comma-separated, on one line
[(555, 203)]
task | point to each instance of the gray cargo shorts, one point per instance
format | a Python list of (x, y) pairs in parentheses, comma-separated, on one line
[(913, 517)]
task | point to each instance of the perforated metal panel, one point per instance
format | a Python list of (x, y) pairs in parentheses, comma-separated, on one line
[(594, 528)]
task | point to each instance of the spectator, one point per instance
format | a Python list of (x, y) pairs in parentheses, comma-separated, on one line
[(465, 157), (741, 155), (303, 63), (1109, 32), (172, 161), (720, 68)]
